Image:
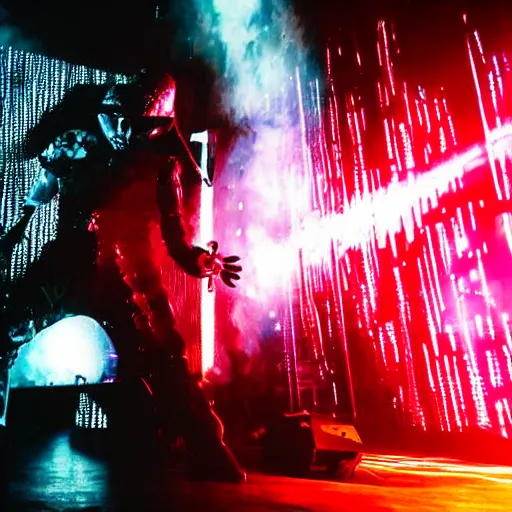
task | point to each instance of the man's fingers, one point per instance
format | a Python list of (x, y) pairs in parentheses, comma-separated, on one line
[(233, 268), (226, 278), (231, 259)]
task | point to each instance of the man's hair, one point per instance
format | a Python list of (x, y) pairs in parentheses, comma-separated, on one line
[(77, 110)]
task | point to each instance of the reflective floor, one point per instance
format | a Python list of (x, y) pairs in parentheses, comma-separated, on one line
[(51, 476)]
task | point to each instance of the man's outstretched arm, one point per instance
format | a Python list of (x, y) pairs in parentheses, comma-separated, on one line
[(169, 195), (192, 259)]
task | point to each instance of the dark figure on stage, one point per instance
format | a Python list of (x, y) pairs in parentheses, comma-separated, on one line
[(115, 157)]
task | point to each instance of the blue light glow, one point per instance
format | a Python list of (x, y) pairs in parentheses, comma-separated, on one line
[(262, 41), (266, 67), (72, 351)]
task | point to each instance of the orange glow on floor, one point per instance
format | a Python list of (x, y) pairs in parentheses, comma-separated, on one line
[(436, 468)]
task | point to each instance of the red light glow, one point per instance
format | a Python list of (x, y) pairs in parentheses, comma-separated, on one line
[(411, 258)]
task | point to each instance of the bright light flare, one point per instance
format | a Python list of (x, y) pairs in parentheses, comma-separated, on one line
[(206, 235), (400, 206), (385, 213), (73, 348)]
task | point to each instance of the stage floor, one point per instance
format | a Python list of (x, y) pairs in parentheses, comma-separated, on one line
[(51, 476)]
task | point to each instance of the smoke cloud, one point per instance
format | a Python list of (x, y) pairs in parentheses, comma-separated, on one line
[(265, 62)]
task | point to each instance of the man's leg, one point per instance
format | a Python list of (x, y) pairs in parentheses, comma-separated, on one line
[(186, 410), (183, 408)]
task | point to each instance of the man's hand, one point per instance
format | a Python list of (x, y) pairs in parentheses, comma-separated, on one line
[(213, 265), (230, 272)]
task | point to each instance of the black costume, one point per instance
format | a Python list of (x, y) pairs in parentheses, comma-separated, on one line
[(108, 164)]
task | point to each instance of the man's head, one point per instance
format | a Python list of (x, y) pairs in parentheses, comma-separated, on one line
[(115, 118), (125, 106)]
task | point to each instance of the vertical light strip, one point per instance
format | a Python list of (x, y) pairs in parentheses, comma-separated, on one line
[(3, 418), (30, 84), (205, 235)]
